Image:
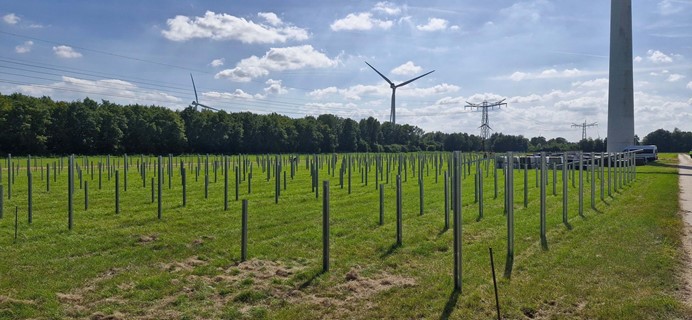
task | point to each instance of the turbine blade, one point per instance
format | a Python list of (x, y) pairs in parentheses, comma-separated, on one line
[(208, 107), (194, 88), (414, 79), (381, 75)]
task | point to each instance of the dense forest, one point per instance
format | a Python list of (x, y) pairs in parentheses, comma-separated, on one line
[(41, 126)]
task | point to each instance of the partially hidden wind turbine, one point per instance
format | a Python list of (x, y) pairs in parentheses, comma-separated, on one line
[(392, 117), (196, 102)]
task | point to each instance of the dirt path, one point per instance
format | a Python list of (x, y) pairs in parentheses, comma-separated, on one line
[(685, 171)]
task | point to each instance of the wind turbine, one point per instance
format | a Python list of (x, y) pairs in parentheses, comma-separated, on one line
[(196, 102), (392, 116)]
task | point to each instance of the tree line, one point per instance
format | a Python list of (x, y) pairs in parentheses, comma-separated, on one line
[(41, 126)]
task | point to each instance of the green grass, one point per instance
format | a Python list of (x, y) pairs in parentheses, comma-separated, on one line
[(619, 262)]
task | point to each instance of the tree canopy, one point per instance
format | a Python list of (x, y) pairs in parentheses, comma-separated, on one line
[(41, 126)]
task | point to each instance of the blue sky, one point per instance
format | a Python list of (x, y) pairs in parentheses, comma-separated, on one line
[(548, 59)]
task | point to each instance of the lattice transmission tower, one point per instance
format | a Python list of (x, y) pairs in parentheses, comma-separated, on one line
[(583, 127), (485, 123)]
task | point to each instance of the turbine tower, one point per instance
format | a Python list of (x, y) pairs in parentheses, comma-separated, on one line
[(196, 102), (583, 127), (485, 123), (392, 117), (620, 88)]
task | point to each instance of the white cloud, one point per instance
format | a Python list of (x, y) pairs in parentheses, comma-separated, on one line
[(388, 8), (668, 7), (689, 85), (360, 21), (527, 11), (675, 77), (434, 24), (25, 47), (277, 59), (114, 90), (11, 18), (638, 59), (407, 68), (238, 94), (596, 83), (227, 27), (454, 28), (217, 62), (271, 18), (656, 56), (66, 52), (545, 74), (357, 92), (275, 87)]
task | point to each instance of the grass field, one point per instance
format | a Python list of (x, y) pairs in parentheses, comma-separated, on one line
[(620, 261)]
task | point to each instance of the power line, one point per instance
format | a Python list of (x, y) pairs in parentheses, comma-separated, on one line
[(485, 123)]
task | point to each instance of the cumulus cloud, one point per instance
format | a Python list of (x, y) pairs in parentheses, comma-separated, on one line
[(217, 62), (656, 56), (271, 18), (275, 87), (227, 27), (360, 21), (388, 8), (11, 18), (406, 69), (277, 59), (638, 59), (434, 24), (596, 83), (66, 52), (527, 11), (675, 77), (24, 47), (689, 85)]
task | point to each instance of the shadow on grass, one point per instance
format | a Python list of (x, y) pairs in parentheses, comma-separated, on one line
[(449, 306), (443, 231), (308, 282), (391, 250), (568, 225)]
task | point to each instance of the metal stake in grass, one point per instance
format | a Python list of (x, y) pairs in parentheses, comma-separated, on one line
[(183, 176), (544, 174), (479, 175), (70, 190), (160, 191), (30, 195), (381, 203), (565, 189), (117, 192), (456, 196), (492, 268), (593, 182), (325, 226), (446, 203), (243, 235), (399, 217), (1, 201), (526, 185), (16, 222), (422, 195), (510, 222), (47, 178), (581, 184), (86, 195)]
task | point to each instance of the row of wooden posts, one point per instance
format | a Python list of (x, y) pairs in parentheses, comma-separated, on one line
[(620, 169)]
